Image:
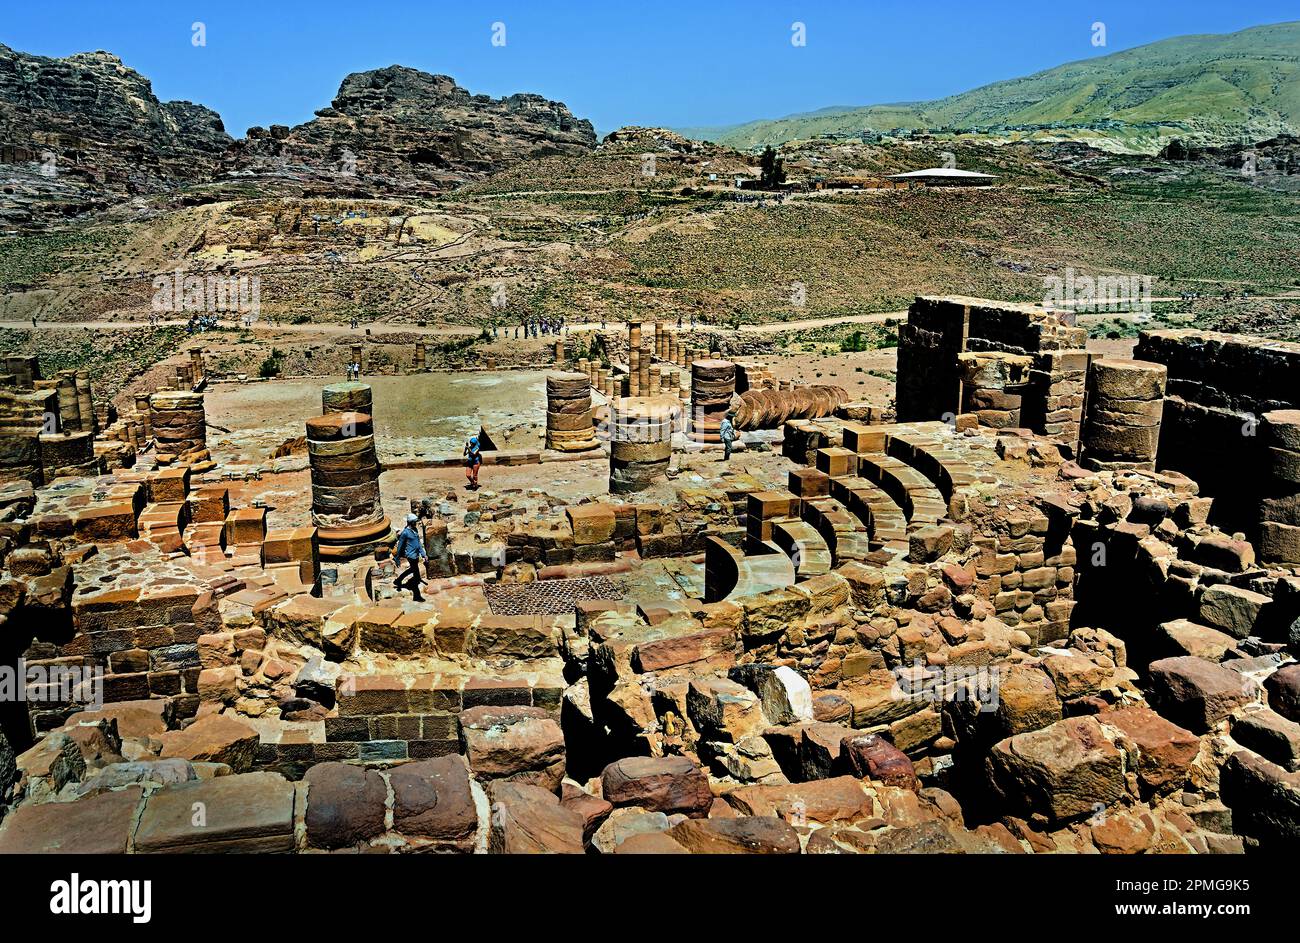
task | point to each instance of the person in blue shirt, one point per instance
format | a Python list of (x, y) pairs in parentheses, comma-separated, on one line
[(473, 459), (728, 435), (410, 548)]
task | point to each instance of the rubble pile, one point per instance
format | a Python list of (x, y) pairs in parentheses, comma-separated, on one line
[(944, 634)]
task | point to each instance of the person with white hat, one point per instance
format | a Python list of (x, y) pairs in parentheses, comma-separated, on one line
[(410, 547)]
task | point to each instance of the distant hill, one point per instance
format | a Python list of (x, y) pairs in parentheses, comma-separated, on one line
[(1215, 89)]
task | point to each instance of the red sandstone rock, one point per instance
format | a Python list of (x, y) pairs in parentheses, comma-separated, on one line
[(662, 784)]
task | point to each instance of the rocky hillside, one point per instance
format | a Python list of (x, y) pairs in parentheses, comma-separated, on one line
[(1214, 89), (402, 131), (83, 132)]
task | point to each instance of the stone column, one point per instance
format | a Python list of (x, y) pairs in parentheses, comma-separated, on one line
[(640, 445), (568, 413), (85, 401), (1121, 427), (345, 502), (142, 413), (69, 403), (655, 383), (197, 369), (559, 353), (421, 352), (633, 359), (356, 356), (179, 424), (993, 387), (712, 384), (643, 366), (1280, 504), (349, 396)]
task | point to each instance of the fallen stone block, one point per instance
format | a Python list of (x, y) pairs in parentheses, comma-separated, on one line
[(345, 805), (529, 820), (520, 744), (747, 834), (98, 825), (1065, 771), (213, 738), (784, 695), (668, 784), (253, 812), (1198, 694), (433, 801)]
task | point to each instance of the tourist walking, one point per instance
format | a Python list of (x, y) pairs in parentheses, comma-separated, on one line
[(410, 550), (473, 459), (727, 432)]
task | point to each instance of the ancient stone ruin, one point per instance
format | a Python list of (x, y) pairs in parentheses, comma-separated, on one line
[(1048, 602)]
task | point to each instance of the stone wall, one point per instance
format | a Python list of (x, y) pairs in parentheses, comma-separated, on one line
[(938, 330)]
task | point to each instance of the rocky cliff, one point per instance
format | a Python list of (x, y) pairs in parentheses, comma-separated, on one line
[(86, 132), (82, 132), (399, 130)]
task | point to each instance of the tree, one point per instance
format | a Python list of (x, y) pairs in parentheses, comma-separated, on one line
[(771, 169)]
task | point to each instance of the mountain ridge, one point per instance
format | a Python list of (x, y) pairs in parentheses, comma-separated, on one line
[(1208, 87)]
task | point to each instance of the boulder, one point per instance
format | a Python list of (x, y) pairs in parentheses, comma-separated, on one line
[(1232, 609), (841, 799), (1270, 735), (1197, 694), (785, 697), (529, 820), (1264, 798), (667, 784), (1283, 688), (1065, 771), (1164, 751), (345, 805), (522, 744), (623, 824), (724, 710), (746, 834), (871, 756)]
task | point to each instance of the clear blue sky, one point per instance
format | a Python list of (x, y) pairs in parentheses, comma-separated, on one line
[(616, 62)]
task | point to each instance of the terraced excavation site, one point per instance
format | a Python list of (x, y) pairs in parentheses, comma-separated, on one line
[(500, 488), (1020, 607)]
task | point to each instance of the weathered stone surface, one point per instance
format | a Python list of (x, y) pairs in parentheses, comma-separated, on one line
[(1232, 609), (252, 812), (840, 799), (666, 784), (213, 738), (785, 697), (1283, 688), (1164, 750), (432, 799), (98, 825), (625, 823), (345, 805), (522, 744), (1197, 694), (529, 820), (1184, 637), (1264, 798), (1063, 771), (871, 756), (1270, 735), (748, 834), (724, 710)]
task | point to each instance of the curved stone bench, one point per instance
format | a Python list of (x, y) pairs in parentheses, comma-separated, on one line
[(845, 534), (805, 547), (872, 505), (730, 574), (920, 500), (945, 469)]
